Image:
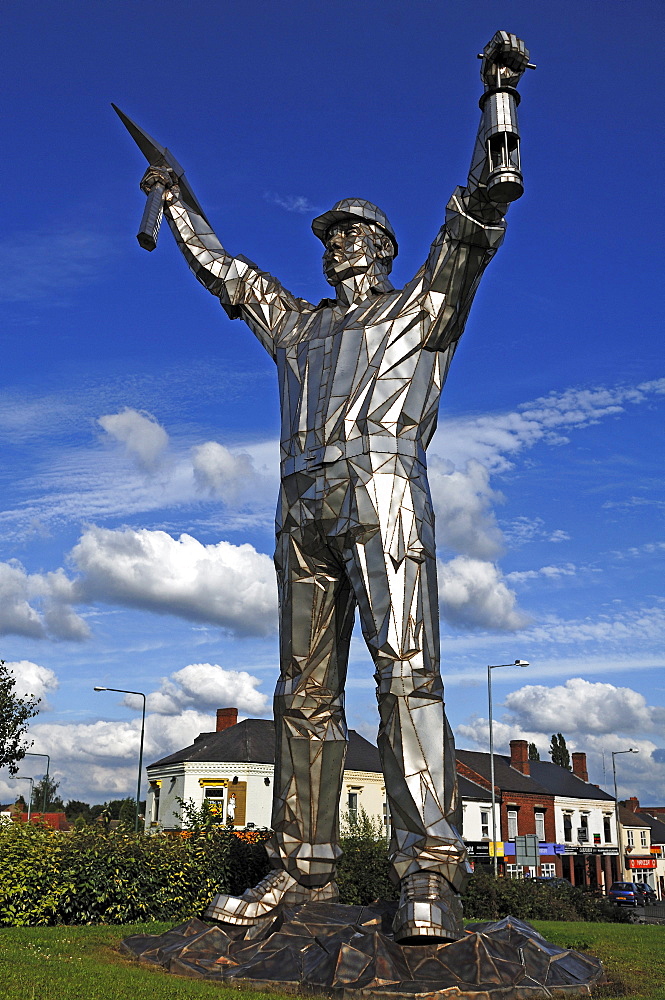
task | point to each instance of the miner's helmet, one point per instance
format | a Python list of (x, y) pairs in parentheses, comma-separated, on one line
[(353, 208)]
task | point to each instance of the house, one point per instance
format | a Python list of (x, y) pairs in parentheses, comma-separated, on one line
[(643, 840), (232, 769), (476, 826), (573, 819)]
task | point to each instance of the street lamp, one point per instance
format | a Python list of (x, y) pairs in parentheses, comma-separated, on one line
[(24, 777), (615, 753), (490, 668), (138, 785), (29, 753)]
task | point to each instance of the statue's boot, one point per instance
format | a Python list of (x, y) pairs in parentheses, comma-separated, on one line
[(429, 910), (263, 902)]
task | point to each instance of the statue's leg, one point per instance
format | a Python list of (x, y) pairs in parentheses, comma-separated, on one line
[(316, 620), (392, 566)]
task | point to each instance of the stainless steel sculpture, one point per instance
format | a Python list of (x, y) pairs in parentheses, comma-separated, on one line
[(360, 378)]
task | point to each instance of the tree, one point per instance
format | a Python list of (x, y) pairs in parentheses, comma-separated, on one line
[(533, 752), (52, 802), (559, 751), (76, 808), (14, 714)]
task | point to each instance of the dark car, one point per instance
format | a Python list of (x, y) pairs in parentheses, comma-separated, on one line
[(552, 880), (627, 894), (651, 894)]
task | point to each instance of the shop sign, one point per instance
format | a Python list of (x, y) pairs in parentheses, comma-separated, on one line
[(478, 848), (641, 862)]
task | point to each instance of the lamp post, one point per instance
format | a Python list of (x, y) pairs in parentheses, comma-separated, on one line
[(490, 668), (616, 807), (29, 753), (138, 784), (24, 777)]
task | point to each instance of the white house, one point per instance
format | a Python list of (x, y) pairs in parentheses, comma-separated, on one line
[(232, 768)]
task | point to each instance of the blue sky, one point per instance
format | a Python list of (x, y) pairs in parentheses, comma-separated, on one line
[(138, 424)]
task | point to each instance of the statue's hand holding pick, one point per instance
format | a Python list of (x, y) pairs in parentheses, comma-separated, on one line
[(159, 183), (505, 57), (163, 176)]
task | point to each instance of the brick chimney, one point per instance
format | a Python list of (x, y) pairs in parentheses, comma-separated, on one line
[(226, 717), (633, 804), (519, 756), (579, 766)]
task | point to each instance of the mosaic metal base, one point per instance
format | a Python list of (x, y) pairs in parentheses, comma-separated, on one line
[(347, 952)]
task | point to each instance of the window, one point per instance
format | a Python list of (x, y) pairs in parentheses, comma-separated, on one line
[(630, 838), (155, 804), (567, 827), (583, 831), (548, 869), (484, 823), (512, 824), (540, 825), (352, 806), (643, 838), (215, 798), (514, 871), (607, 828)]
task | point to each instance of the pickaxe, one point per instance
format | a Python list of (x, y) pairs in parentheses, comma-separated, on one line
[(157, 156)]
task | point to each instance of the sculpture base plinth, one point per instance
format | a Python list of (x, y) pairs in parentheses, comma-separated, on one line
[(347, 952)]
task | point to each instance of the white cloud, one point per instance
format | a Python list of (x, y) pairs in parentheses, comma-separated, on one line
[(38, 605), (97, 761), (291, 202), (205, 686), (232, 586), (495, 439), (522, 530), (462, 499), (473, 595), (32, 680), (17, 616), (143, 437), (548, 572), (221, 472), (583, 707)]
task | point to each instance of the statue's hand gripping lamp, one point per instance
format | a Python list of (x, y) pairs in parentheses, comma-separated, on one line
[(504, 60)]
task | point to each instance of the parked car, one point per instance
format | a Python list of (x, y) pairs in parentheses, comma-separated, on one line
[(627, 894), (556, 883), (651, 894)]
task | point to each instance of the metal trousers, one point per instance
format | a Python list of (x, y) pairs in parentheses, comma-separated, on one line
[(360, 533)]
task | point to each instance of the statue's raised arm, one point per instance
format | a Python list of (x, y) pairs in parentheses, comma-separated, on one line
[(475, 226), (244, 291)]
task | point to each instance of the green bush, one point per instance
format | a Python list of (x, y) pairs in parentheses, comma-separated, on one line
[(487, 898), (363, 874), (91, 876)]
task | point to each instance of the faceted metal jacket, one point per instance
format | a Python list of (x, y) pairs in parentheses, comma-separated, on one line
[(357, 379)]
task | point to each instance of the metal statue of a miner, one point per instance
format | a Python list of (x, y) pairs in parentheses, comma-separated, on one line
[(360, 377)]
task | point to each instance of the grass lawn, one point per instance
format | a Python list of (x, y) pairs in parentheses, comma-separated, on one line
[(633, 954), (81, 963)]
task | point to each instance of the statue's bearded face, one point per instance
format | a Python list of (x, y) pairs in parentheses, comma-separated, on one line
[(354, 248)]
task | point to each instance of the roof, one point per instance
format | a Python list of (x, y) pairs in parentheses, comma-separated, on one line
[(657, 827), (507, 778), (561, 781), (252, 741), (630, 818), (546, 778), (470, 790)]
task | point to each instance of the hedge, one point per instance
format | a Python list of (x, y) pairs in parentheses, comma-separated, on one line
[(92, 876)]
